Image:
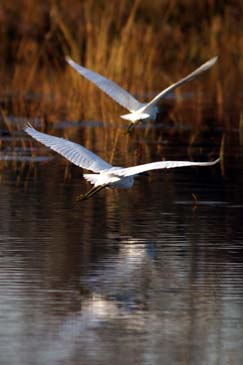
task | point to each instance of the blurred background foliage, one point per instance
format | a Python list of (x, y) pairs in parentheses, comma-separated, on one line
[(142, 45)]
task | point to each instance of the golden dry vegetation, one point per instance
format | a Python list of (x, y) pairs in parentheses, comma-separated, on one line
[(142, 45)]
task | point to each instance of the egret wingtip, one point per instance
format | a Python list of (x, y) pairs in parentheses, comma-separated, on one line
[(214, 60), (210, 62), (216, 161), (28, 125), (68, 59)]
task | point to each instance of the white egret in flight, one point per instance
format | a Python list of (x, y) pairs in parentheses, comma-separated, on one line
[(105, 175), (138, 111)]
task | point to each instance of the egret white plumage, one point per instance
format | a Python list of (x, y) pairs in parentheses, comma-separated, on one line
[(138, 111), (105, 175)]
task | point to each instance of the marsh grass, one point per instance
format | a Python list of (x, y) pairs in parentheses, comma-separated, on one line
[(142, 45)]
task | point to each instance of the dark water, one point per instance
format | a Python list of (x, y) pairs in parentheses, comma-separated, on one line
[(144, 276)]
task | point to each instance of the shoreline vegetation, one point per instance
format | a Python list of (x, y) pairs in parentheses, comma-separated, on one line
[(142, 46)]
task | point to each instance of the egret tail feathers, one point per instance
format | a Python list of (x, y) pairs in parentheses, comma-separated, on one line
[(92, 178)]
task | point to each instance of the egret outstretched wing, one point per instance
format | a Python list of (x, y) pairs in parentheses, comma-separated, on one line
[(73, 152), (186, 79), (134, 170), (116, 92)]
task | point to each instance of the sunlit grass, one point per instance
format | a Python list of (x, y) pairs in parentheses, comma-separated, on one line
[(142, 45)]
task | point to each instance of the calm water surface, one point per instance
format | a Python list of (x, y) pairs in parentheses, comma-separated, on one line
[(145, 276)]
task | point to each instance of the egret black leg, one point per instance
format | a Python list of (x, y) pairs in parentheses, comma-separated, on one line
[(132, 126), (90, 193)]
